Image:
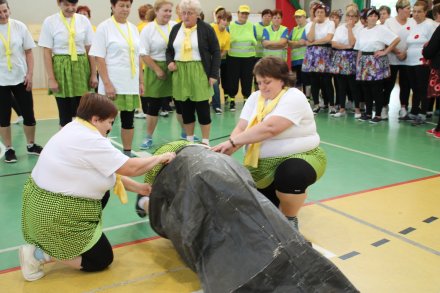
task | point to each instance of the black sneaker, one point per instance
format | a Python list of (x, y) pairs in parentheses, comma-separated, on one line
[(232, 106), (418, 121), (139, 211), (364, 117), (375, 120), (10, 156), (35, 149)]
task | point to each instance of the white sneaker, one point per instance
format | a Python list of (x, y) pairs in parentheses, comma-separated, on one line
[(340, 114), (163, 113), (357, 115), (384, 113), (403, 112), (140, 115), (31, 268), (18, 120)]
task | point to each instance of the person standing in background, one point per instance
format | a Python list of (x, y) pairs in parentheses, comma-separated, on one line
[(241, 57), (144, 14), (275, 37), (117, 51), (66, 38), (385, 13), (85, 10), (16, 72), (298, 44)]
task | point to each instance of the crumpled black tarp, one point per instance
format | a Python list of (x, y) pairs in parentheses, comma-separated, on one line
[(230, 234)]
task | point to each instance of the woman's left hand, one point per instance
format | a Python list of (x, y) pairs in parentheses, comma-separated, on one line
[(212, 81), (28, 82), (379, 53), (144, 189), (224, 148), (141, 89)]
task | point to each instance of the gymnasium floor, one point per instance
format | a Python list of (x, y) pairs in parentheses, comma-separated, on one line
[(375, 213)]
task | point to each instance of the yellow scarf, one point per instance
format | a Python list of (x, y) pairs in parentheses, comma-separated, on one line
[(71, 29), (129, 40), (164, 36), (7, 43), (187, 49), (253, 151), (119, 188)]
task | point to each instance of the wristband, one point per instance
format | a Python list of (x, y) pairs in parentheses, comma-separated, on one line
[(232, 143)]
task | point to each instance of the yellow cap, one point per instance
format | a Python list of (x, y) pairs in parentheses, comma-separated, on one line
[(218, 8), (244, 8), (300, 12)]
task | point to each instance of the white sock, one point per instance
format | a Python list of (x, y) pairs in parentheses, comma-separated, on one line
[(190, 138), (205, 141), (142, 201)]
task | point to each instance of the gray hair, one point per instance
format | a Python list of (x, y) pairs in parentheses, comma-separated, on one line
[(186, 5)]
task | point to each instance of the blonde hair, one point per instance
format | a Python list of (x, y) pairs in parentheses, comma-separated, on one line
[(400, 4), (159, 3)]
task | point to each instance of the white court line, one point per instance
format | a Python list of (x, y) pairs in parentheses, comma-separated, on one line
[(381, 158), (327, 253)]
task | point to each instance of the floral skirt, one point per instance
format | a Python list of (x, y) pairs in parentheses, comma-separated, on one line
[(317, 59), (343, 62), (372, 68), (434, 83)]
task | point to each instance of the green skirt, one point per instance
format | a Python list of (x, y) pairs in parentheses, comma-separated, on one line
[(62, 226), (190, 82), (154, 87), (72, 77), (264, 174), (127, 102)]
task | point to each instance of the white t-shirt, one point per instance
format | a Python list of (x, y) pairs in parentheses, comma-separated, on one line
[(178, 45), (341, 34), (321, 29), (298, 138), (78, 161), (112, 46), (54, 34), (374, 39), (402, 31), (418, 36), (21, 40), (153, 41)]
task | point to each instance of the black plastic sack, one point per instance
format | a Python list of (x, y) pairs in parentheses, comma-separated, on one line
[(230, 234)]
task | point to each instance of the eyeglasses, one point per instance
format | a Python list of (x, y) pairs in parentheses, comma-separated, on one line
[(187, 13)]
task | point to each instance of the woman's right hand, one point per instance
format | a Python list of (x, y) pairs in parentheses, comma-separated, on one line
[(53, 85), (224, 148), (110, 90), (166, 158), (172, 67), (161, 74)]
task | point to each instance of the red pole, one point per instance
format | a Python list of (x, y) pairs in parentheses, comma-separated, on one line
[(288, 18)]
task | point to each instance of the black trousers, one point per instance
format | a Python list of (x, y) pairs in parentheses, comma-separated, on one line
[(403, 84), (346, 84), (23, 99), (373, 92), (418, 77), (323, 82), (240, 71), (67, 109)]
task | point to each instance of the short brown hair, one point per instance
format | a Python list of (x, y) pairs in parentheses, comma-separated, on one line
[(423, 4), (93, 104), (224, 15), (436, 10), (266, 11), (274, 67), (84, 8), (277, 12), (142, 10)]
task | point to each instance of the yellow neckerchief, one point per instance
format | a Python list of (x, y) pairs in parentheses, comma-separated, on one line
[(164, 36), (119, 188), (7, 43), (71, 29), (186, 48), (129, 40), (253, 151)]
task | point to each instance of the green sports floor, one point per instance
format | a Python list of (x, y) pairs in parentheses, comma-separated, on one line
[(375, 213)]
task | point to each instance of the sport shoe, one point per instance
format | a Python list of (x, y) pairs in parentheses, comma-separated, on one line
[(232, 106), (128, 153), (357, 115), (375, 120), (139, 211), (316, 109), (10, 156), (218, 111), (35, 149), (403, 112), (18, 120), (419, 121), (364, 117), (332, 111), (163, 113), (384, 113), (31, 268), (183, 137), (140, 115), (148, 142), (339, 114), (408, 117)]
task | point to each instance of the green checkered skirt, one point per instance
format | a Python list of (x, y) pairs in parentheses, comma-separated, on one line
[(264, 174), (154, 87), (190, 82), (127, 102), (62, 226), (72, 76)]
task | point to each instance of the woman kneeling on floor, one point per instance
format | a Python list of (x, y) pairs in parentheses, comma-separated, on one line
[(64, 197)]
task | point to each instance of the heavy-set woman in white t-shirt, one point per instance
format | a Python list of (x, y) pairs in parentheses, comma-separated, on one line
[(117, 51), (418, 72), (68, 188), (278, 128), (16, 69), (66, 38)]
